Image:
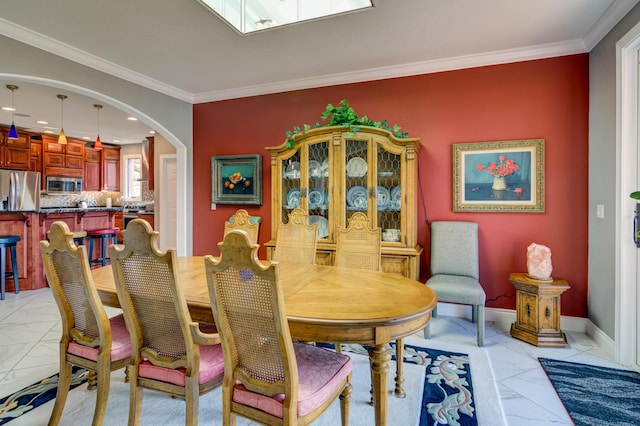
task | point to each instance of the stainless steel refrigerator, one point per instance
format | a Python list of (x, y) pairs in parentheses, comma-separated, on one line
[(19, 190)]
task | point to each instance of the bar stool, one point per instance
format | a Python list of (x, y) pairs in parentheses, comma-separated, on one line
[(103, 235), (78, 237), (9, 241)]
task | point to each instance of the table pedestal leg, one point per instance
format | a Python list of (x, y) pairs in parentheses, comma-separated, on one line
[(379, 357)]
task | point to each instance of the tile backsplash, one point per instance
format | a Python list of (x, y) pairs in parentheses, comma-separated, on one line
[(94, 198)]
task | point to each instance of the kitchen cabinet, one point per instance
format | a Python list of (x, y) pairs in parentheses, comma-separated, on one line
[(15, 153), (331, 173), (149, 217), (151, 160), (111, 169), (61, 160), (91, 177), (118, 222), (35, 161)]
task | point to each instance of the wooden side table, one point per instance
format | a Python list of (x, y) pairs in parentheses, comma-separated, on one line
[(538, 310)]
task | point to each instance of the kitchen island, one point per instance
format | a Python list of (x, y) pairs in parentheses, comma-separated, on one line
[(32, 227)]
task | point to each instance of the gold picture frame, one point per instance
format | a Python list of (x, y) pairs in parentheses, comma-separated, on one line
[(500, 176)]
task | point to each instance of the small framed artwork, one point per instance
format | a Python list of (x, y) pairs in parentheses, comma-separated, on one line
[(236, 179), (503, 176)]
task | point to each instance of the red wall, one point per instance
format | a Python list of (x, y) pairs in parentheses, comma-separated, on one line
[(526, 100)]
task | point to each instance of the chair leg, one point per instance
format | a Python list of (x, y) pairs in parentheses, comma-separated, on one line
[(338, 347), (474, 313), (345, 399), (64, 380), (91, 250), (192, 399), (103, 240), (399, 391), (135, 396), (14, 269), (480, 315), (427, 331), (102, 396)]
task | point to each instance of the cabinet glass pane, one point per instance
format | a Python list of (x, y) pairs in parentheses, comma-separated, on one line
[(356, 175), (290, 186), (318, 198), (389, 194)]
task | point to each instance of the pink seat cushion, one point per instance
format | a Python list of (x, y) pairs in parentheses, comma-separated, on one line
[(120, 344), (211, 367), (320, 372)]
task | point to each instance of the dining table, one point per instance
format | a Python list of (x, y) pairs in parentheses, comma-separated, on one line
[(324, 304)]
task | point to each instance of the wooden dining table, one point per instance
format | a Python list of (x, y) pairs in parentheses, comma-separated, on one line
[(324, 304)]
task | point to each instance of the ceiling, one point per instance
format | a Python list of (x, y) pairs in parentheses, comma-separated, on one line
[(181, 49)]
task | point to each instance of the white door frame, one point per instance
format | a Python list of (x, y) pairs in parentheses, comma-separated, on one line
[(164, 227), (627, 99)]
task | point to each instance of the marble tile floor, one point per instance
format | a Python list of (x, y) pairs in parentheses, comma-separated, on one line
[(30, 330)]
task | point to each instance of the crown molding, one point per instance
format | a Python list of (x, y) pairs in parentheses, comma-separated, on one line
[(42, 42), (402, 70), (607, 21)]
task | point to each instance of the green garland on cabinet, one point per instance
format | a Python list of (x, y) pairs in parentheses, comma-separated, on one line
[(344, 115)]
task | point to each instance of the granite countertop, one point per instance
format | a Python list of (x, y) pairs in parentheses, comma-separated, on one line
[(78, 209)]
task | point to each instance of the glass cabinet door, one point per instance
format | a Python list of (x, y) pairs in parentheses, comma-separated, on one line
[(359, 197), (389, 194), (290, 185), (317, 172)]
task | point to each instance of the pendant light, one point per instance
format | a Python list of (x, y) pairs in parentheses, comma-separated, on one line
[(13, 134), (62, 139), (98, 144)]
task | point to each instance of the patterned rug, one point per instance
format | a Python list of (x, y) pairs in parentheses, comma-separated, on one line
[(595, 395), (33, 396), (439, 386)]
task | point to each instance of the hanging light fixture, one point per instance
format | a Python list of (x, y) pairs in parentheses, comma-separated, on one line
[(98, 144), (62, 139), (13, 134)]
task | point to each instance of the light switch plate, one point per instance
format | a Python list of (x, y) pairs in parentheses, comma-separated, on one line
[(600, 211)]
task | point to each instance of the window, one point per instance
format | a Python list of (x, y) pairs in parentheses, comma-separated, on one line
[(248, 16), (132, 174)]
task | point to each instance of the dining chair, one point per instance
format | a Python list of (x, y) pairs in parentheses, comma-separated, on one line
[(242, 220), (296, 240), (268, 378), (455, 269), (358, 246), (169, 352), (90, 339)]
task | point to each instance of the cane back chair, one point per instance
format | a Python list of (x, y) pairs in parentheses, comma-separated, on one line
[(296, 240), (90, 339), (241, 220), (169, 352), (268, 378)]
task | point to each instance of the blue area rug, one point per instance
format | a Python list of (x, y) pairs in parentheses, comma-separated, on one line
[(33, 396), (447, 398), (595, 395), (448, 390)]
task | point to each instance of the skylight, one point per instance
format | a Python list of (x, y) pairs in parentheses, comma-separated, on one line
[(248, 16)]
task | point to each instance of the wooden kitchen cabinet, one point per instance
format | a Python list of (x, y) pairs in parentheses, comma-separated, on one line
[(61, 160), (91, 176), (331, 173), (35, 161), (15, 153), (111, 169), (149, 217)]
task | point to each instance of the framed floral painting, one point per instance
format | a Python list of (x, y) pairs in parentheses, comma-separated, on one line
[(503, 176), (236, 179)]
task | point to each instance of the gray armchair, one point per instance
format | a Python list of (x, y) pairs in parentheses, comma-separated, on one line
[(454, 269)]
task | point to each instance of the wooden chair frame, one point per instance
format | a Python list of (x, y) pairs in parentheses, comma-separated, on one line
[(296, 240), (140, 240), (238, 254), (243, 221), (61, 241)]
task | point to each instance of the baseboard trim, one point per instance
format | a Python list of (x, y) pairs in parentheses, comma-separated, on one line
[(567, 323)]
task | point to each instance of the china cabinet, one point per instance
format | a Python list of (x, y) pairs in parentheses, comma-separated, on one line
[(331, 173)]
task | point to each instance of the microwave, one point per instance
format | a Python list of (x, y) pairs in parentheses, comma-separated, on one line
[(63, 185)]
